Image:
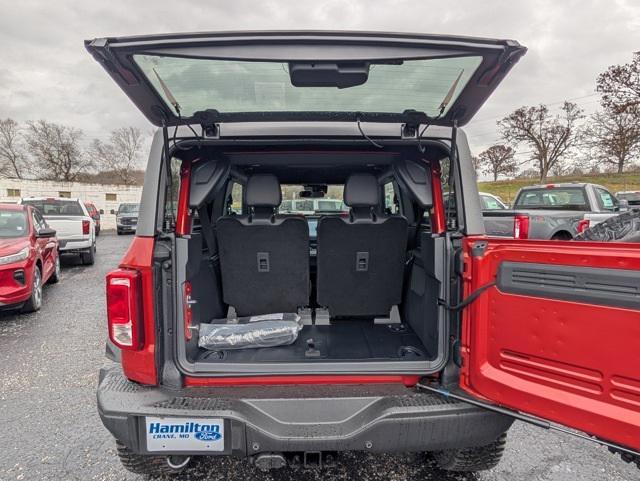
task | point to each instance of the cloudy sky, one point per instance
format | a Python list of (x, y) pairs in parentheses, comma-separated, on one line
[(46, 73)]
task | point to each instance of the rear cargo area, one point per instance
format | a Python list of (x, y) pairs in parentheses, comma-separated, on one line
[(363, 279), (345, 340)]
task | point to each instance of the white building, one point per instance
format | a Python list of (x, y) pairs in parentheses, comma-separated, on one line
[(104, 196)]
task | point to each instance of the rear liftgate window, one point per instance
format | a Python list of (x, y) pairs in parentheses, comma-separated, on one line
[(240, 86)]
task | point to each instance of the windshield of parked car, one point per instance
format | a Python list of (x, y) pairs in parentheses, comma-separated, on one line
[(231, 86), (491, 203), (55, 207), (128, 209), (13, 224), (561, 198), (631, 197)]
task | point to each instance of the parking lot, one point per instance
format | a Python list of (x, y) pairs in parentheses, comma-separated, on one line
[(49, 363)]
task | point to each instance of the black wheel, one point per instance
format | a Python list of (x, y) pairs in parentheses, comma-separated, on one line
[(119, 232), (55, 277), (35, 301), (150, 465), (472, 459), (88, 257)]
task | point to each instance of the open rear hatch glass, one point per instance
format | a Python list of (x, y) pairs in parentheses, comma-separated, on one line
[(315, 76)]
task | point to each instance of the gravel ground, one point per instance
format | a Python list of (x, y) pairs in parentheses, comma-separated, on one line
[(50, 429)]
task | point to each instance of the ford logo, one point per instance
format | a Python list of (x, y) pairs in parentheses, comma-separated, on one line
[(208, 436)]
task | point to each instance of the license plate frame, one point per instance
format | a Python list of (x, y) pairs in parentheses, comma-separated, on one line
[(184, 434)]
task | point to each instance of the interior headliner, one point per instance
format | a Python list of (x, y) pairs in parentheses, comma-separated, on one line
[(318, 167)]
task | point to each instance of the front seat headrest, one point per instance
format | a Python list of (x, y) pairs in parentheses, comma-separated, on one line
[(263, 190), (362, 190)]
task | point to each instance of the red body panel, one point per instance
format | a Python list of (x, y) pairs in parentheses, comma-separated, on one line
[(94, 213), (284, 380), (183, 221), (572, 363), (140, 365), (11, 291), (438, 216)]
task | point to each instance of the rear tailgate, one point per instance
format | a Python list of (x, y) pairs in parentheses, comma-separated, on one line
[(306, 76), (67, 227), (499, 223), (70, 230)]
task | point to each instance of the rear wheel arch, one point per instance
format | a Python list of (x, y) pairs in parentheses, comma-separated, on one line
[(562, 235)]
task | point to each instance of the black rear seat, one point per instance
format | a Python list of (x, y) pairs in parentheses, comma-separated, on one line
[(361, 259), (264, 257)]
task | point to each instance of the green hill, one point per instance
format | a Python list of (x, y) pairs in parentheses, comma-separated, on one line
[(507, 189)]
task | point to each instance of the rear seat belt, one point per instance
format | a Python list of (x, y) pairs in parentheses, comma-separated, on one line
[(207, 231)]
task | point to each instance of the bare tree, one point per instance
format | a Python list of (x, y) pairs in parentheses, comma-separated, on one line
[(12, 155), (121, 154), (475, 161), (497, 160), (620, 86), (550, 137), (56, 151), (614, 137)]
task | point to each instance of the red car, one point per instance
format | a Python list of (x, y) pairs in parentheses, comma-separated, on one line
[(28, 257), (94, 213)]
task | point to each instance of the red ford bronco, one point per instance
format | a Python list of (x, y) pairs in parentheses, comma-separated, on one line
[(383, 320)]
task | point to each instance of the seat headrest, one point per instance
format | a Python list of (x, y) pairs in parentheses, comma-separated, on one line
[(263, 190), (362, 190)]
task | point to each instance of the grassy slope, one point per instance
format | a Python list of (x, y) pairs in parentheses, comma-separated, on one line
[(507, 189)]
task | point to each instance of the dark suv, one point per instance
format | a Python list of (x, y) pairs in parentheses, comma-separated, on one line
[(242, 330), (126, 218)]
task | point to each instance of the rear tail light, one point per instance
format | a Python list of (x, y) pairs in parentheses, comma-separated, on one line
[(85, 227), (124, 308), (521, 226), (583, 225)]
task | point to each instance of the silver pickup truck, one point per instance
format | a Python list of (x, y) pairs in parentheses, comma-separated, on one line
[(553, 211)]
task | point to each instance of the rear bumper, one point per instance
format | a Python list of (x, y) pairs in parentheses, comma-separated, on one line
[(74, 245), (378, 418)]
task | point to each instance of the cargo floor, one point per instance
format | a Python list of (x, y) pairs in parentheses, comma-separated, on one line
[(347, 340)]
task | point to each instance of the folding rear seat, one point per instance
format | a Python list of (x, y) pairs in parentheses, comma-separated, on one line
[(361, 258), (264, 257)]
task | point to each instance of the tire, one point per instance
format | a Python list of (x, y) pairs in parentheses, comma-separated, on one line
[(88, 257), (55, 277), (97, 231), (477, 458), (621, 228), (148, 465), (119, 232), (35, 301)]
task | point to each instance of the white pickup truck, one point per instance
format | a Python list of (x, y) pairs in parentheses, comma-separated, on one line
[(74, 226)]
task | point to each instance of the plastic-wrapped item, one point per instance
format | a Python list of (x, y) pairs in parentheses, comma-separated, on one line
[(267, 330)]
